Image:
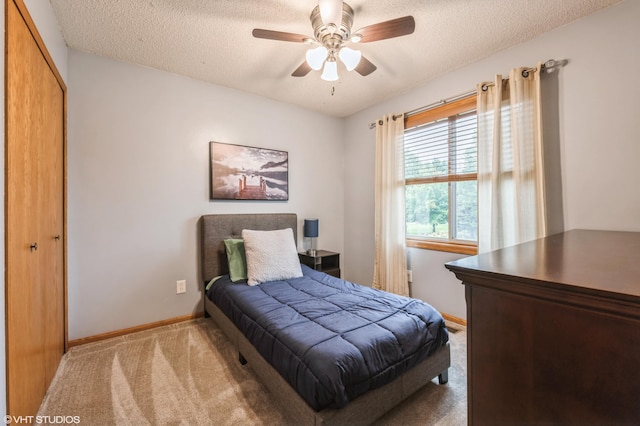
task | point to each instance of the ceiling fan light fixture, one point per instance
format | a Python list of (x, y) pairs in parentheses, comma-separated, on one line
[(350, 57), (330, 72), (332, 22), (331, 13), (316, 57)]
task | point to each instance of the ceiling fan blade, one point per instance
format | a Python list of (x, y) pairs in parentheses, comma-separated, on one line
[(365, 67), (387, 29), (279, 35), (302, 70)]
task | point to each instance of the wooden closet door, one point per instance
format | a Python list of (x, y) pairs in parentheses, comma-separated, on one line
[(35, 256), (51, 223)]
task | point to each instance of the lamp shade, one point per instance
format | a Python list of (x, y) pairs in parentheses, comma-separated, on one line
[(331, 12), (330, 72), (350, 58), (315, 57), (310, 229)]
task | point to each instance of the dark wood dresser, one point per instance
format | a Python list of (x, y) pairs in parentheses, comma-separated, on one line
[(554, 330)]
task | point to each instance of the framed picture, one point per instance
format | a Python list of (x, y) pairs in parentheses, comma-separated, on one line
[(248, 173)]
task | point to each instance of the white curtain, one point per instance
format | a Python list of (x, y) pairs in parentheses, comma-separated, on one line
[(390, 269), (511, 196)]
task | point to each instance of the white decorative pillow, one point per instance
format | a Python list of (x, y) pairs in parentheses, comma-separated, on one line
[(271, 255)]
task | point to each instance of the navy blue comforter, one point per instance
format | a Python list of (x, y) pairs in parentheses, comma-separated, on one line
[(332, 340)]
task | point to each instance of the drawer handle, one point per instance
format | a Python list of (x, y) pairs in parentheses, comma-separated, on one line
[(34, 246)]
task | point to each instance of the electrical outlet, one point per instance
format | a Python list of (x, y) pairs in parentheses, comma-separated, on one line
[(181, 287), (410, 275)]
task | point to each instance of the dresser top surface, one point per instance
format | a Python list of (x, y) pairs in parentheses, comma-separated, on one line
[(600, 261)]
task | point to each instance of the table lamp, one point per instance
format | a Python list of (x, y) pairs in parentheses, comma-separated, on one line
[(310, 230)]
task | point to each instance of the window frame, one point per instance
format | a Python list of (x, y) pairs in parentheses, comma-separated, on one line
[(448, 110)]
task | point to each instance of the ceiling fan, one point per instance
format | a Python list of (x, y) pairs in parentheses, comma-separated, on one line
[(331, 21)]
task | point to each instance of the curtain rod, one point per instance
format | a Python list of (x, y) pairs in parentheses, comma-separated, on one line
[(432, 105), (549, 64)]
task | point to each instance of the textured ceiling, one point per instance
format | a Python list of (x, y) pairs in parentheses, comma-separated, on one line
[(211, 40)]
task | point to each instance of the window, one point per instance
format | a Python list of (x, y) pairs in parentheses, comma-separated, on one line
[(441, 183)]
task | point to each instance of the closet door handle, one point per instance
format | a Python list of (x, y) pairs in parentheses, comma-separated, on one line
[(57, 237), (34, 246)]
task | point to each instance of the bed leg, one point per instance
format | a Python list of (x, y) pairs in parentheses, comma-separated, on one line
[(242, 360), (443, 377)]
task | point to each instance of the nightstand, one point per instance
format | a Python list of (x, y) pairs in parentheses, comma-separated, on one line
[(324, 261)]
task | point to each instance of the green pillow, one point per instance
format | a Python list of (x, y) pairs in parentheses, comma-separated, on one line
[(237, 259)]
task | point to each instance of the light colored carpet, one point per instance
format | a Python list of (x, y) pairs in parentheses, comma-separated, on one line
[(188, 374)]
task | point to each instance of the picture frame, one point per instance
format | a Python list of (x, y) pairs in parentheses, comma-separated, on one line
[(239, 172)]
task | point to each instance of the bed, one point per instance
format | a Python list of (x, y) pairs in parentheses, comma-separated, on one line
[(302, 390)]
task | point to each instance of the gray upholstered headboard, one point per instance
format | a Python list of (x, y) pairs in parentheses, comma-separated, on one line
[(218, 227)]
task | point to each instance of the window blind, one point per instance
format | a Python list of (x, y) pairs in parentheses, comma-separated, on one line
[(443, 150)]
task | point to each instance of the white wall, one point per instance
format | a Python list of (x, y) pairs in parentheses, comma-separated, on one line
[(138, 182), (42, 14), (597, 127)]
